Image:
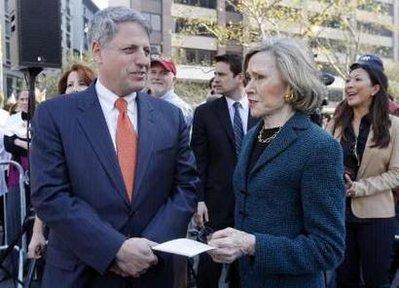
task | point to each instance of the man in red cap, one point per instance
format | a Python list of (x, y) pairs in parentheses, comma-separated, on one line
[(162, 78)]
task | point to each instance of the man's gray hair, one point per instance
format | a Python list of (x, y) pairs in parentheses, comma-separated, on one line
[(297, 67), (104, 24)]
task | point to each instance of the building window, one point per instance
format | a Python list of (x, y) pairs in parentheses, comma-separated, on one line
[(7, 6), (10, 87), (8, 52), (375, 28), (195, 56), (68, 41), (154, 19), (200, 3), (183, 24), (231, 6), (156, 49), (7, 27)]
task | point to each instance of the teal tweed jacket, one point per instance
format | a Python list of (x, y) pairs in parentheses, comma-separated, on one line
[(293, 202)]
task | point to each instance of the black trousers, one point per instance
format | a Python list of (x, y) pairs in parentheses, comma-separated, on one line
[(209, 273), (368, 254)]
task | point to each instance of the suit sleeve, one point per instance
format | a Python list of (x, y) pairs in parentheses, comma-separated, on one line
[(199, 144), (320, 247), (92, 240), (172, 218)]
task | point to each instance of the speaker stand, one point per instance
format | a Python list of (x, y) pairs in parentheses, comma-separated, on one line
[(31, 74)]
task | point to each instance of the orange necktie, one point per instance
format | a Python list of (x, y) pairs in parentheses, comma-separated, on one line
[(126, 146)]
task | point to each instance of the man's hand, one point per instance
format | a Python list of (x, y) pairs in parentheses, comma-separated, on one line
[(37, 245), (201, 217), (134, 257)]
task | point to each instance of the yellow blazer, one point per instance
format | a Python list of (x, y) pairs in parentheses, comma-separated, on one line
[(378, 175)]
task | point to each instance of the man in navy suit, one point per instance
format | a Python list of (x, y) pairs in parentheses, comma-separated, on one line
[(218, 129), (109, 178)]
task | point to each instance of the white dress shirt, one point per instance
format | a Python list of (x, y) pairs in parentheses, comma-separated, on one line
[(107, 100), (243, 110)]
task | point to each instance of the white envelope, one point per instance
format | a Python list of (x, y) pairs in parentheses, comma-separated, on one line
[(183, 246)]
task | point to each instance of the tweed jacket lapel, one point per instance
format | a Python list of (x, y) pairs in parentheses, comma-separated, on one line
[(285, 138)]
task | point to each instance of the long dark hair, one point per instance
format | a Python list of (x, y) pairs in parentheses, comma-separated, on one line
[(378, 111)]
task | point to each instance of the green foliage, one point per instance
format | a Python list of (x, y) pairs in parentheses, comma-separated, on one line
[(192, 92), (265, 18), (392, 71)]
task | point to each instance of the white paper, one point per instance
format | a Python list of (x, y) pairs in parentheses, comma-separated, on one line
[(183, 246)]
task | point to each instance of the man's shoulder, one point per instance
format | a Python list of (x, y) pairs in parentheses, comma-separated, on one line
[(211, 105), (181, 102), (158, 104)]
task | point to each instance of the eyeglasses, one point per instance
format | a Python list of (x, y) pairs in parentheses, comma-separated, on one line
[(201, 234)]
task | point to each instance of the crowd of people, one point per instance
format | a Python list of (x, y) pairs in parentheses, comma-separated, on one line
[(119, 162)]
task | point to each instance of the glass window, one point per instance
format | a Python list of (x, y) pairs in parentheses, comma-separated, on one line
[(154, 20), (195, 56), (200, 3), (8, 52)]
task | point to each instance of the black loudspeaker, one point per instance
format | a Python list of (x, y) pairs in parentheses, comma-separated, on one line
[(35, 33)]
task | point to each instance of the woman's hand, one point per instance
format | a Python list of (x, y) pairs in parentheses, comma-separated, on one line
[(350, 188), (230, 245), (36, 245)]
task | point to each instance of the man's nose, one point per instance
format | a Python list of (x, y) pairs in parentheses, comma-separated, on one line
[(142, 59)]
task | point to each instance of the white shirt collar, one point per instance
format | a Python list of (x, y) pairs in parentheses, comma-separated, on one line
[(243, 101), (168, 94), (108, 97)]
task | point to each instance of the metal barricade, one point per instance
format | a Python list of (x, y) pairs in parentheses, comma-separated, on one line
[(21, 248)]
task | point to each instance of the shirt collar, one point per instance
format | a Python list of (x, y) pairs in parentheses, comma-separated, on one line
[(243, 101), (169, 94), (108, 97)]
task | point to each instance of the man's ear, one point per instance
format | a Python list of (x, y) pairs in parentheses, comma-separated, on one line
[(96, 50), (241, 78)]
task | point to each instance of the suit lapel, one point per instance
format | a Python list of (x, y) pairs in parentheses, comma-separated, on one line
[(284, 139), (146, 132), (245, 154), (222, 111), (93, 123)]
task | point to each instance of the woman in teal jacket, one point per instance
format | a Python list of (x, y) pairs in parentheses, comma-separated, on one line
[(289, 222)]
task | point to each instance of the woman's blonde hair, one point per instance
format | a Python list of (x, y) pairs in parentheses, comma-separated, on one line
[(298, 70)]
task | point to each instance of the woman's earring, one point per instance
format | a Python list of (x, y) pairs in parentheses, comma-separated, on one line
[(289, 96)]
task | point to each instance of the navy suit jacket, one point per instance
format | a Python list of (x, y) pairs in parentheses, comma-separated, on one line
[(292, 200), (78, 189), (213, 144)]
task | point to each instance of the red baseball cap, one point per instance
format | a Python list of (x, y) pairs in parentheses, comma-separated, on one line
[(166, 63)]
